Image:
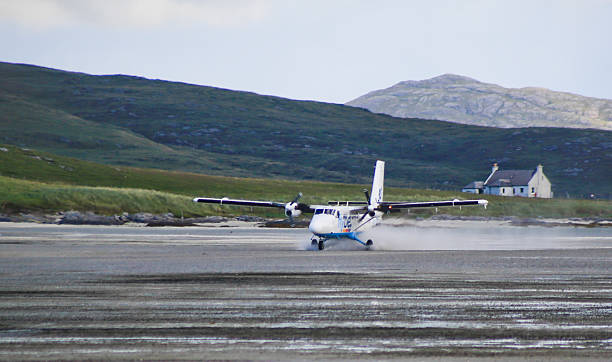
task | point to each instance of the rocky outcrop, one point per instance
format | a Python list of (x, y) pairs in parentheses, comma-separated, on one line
[(90, 218), (461, 99)]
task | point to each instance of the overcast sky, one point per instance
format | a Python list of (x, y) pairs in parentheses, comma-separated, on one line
[(329, 50)]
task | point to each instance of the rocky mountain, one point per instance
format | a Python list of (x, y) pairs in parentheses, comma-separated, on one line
[(465, 100)]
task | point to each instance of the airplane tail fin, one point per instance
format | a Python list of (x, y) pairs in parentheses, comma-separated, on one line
[(376, 197)]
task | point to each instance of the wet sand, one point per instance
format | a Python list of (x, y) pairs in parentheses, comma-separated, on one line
[(79, 292)]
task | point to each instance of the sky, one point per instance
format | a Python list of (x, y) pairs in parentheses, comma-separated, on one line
[(324, 50)]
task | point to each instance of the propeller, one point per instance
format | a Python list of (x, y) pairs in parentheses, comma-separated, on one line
[(370, 209), (297, 197), (293, 207), (367, 195)]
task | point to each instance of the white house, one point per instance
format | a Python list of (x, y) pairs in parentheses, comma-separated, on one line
[(525, 183), (475, 187)]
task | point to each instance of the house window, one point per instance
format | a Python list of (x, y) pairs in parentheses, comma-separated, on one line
[(533, 190), (522, 190), (503, 190)]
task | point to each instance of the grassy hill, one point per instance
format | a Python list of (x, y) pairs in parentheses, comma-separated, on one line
[(132, 121), (32, 180)]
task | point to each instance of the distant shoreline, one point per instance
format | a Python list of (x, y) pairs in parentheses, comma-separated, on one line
[(157, 220)]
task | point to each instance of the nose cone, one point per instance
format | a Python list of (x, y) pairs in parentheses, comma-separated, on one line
[(320, 225), (315, 227)]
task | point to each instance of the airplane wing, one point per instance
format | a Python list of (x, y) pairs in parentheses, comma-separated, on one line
[(291, 208), (390, 206), (227, 201), (347, 203)]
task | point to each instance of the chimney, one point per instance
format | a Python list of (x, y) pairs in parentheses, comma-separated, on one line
[(539, 168), (493, 169)]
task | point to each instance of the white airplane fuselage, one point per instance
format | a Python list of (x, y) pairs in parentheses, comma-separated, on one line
[(341, 222)]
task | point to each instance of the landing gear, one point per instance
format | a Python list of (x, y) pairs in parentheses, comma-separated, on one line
[(314, 243), (369, 244)]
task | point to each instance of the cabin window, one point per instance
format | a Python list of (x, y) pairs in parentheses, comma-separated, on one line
[(318, 211)]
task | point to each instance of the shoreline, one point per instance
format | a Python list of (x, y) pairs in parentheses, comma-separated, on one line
[(169, 220)]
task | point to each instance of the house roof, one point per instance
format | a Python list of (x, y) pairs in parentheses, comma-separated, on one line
[(510, 178), (474, 185)]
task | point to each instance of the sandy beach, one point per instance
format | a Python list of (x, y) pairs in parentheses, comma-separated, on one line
[(433, 290)]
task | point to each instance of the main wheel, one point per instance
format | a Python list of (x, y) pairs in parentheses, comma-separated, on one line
[(321, 245), (314, 243), (369, 244)]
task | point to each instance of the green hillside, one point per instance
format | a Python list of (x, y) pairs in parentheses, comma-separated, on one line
[(32, 180), (132, 121)]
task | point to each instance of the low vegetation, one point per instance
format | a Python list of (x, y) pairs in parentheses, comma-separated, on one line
[(38, 181), (21, 195)]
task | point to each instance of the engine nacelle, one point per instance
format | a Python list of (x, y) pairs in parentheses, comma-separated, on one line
[(291, 209)]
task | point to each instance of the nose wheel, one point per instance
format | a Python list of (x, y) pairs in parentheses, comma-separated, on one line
[(369, 244)]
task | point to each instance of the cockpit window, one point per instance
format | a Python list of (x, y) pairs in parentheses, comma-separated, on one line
[(333, 212)]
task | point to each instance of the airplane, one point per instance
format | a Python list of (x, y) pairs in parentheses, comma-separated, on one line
[(344, 219)]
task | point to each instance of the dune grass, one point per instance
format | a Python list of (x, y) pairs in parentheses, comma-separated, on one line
[(23, 196), (31, 180)]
